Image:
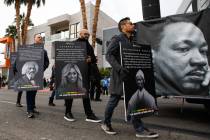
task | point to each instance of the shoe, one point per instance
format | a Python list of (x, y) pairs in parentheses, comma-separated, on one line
[(93, 118), (19, 105), (98, 100), (36, 111), (146, 134), (51, 104), (30, 114), (69, 117), (108, 129)]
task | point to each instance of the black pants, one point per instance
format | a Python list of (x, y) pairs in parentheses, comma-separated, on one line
[(30, 99), (95, 87), (19, 97), (86, 105)]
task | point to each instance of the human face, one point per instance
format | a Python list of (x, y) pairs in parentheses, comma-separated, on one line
[(72, 76), (84, 34), (128, 27), (38, 39), (140, 81), (31, 71), (181, 59)]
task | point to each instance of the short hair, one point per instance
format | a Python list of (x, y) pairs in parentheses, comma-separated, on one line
[(65, 73), (122, 22), (27, 64), (36, 35)]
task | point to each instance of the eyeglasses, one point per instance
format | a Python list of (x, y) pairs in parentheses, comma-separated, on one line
[(86, 34), (129, 23)]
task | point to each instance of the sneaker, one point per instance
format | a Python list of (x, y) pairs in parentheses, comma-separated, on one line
[(30, 115), (19, 105), (93, 118), (108, 129), (146, 134), (36, 111), (69, 117), (51, 104)]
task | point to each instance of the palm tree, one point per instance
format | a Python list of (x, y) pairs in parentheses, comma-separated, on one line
[(30, 4), (11, 31), (17, 8), (22, 18), (83, 9), (95, 22)]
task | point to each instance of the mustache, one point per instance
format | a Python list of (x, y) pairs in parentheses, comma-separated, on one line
[(200, 71)]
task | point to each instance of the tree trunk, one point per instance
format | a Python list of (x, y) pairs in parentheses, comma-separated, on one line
[(26, 20), (84, 17), (95, 22), (13, 45), (17, 8), (22, 28)]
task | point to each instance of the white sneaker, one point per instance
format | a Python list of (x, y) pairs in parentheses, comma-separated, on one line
[(108, 129), (69, 117)]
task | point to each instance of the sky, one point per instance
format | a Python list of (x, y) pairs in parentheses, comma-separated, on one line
[(116, 9)]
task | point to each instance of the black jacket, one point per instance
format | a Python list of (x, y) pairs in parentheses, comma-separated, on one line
[(90, 52), (113, 57), (89, 49)]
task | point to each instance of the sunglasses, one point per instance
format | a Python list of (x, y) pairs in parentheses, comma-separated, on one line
[(130, 23)]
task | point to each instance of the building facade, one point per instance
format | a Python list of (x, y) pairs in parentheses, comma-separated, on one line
[(66, 28)]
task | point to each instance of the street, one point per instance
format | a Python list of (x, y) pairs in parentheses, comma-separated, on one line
[(172, 123)]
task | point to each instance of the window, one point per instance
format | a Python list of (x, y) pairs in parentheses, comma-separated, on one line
[(74, 30), (64, 34)]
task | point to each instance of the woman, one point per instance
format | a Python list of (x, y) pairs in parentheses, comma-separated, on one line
[(71, 81)]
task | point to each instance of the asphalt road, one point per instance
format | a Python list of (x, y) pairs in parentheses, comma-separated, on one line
[(192, 122)]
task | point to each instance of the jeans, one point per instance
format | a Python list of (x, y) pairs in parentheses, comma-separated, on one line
[(112, 103), (86, 105), (137, 123), (30, 99)]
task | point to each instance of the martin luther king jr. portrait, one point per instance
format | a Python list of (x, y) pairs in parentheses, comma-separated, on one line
[(29, 71), (180, 59)]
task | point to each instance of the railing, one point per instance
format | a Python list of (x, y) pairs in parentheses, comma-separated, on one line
[(63, 36)]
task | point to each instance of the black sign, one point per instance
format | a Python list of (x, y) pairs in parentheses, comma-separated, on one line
[(180, 45), (139, 86), (29, 63), (71, 69)]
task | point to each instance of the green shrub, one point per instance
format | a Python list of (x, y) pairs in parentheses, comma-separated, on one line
[(105, 72)]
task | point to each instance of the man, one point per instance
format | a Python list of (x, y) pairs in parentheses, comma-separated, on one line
[(181, 62), (95, 85), (105, 85), (84, 36), (18, 102), (30, 95), (52, 87), (118, 75), (29, 71)]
